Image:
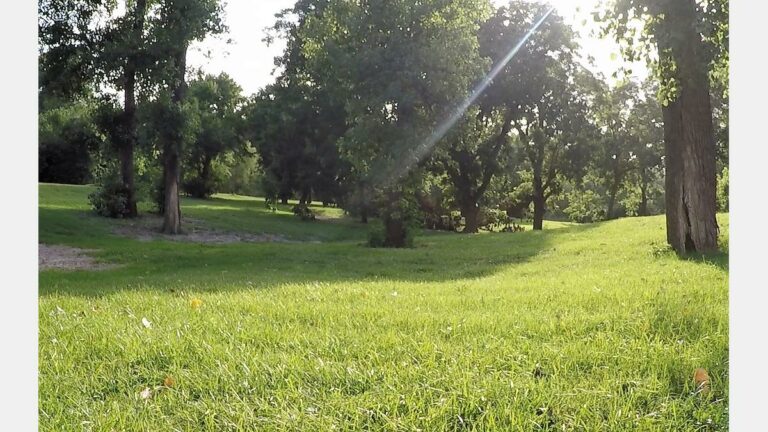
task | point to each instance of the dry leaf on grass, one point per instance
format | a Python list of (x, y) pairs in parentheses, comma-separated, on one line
[(169, 381), (701, 381), (196, 303), (146, 323)]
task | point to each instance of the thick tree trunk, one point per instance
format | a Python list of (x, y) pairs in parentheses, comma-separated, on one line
[(172, 150), (471, 213), (126, 150), (395, 232), (171, 174), (689, 137), (364, 214)]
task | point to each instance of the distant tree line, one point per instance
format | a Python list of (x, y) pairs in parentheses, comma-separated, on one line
[(362, 88)]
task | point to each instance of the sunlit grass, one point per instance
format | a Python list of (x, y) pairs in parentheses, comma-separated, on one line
[(583, 327)]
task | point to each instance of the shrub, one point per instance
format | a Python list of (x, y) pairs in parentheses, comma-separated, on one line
[(376, 235), (722, 191), (67, 138), (110, 199)]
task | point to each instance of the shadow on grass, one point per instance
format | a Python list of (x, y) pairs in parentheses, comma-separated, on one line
[(159, 265), (718, 259)]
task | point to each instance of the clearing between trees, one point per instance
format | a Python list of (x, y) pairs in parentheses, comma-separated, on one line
[(576, 327)]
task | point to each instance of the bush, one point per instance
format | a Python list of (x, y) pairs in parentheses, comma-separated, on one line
[(110, 199), (67, 137), (585, 206), (722, 191), (376, 235), (199, 187)]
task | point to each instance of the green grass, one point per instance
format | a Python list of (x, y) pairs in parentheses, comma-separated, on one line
[(582, 327)]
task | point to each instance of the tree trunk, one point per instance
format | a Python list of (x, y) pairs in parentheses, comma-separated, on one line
[(471, 213), (689, 137), (128, 144), (284, 200), (363, 205), (612, 199), (643, 209), (395, 232), (172, 150), (171, 174), (539, 202)]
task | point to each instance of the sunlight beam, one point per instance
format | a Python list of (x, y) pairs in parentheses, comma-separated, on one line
[(443, 127)]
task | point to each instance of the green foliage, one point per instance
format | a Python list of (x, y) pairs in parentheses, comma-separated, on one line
[(245, 176), (67, 140), (110, 199), (722, 191), (214, 101)]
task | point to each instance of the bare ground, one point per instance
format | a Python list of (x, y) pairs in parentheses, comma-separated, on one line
[(147, 228), (67, 258)]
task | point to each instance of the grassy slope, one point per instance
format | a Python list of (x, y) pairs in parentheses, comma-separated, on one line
[(446, 336)]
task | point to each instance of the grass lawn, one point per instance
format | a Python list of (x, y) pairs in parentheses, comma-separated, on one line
[(593, 327)]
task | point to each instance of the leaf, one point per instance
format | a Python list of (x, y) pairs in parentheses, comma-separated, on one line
[(146, 393), (146, 322), (169, 381), (195, 303), (701, 381)]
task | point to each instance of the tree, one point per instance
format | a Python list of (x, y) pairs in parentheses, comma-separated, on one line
[(122, 57), (395, 64), (471, 157), (177, 24), (67, 138), (217, 102), (539, 95), (69, 39), (684, 62)]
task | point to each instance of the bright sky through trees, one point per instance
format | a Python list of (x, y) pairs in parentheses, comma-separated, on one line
[(250, 61)]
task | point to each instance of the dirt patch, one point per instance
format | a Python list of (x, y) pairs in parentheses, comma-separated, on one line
[(67, 258), (147, 228)]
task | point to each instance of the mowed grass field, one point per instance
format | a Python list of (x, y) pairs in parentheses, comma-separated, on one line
[(593, 327)]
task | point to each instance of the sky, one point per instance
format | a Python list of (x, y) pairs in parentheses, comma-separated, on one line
[(250, 61)]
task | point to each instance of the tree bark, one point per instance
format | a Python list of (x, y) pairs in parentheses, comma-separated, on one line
[(126, 150), (689, 136), (172, 149), (471, 213), (539, 202), (395, 232), (643, 210), (612, 198)]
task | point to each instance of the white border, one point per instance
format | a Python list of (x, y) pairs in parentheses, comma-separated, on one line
[(749, 163), (18, 177), (748, 160)]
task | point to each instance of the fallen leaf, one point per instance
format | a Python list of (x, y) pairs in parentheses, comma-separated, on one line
[(146, 323), (146, 393), (701, 381), (169, 381), (196, 303)]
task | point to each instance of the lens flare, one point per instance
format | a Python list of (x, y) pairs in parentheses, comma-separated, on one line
[(422, 150)]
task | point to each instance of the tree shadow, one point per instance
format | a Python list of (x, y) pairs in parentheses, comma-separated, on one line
[(719, 259), (163, 265)]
